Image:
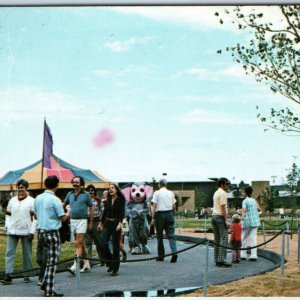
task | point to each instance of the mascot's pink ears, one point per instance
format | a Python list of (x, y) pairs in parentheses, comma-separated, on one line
[(126, 193), (149, 191)]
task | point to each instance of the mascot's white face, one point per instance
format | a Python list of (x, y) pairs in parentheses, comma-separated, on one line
[(138, 193)]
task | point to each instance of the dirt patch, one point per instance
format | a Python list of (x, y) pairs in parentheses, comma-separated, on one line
[(270, 284)]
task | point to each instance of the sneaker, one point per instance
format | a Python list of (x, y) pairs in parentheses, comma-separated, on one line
[(26, 279), (7, 280), (85, 269), (40, 282), (71, 270)]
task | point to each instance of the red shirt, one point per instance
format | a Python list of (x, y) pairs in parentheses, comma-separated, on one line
[(236, 232)]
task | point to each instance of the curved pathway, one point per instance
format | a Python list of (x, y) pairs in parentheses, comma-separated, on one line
[(150, 278)]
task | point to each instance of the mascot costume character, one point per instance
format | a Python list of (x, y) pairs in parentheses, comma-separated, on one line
[(138, 196)]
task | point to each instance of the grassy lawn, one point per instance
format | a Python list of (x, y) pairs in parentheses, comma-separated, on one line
[(67, 252), (200, 224)]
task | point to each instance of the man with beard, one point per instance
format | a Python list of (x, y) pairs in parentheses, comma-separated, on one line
[(79, 201)]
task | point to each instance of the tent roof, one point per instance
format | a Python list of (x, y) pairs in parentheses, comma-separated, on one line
[(63, 170)]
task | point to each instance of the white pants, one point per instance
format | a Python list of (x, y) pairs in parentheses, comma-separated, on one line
[(251, 233)]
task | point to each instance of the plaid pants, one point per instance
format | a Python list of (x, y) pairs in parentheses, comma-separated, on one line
[(221, 237), (52, 240)]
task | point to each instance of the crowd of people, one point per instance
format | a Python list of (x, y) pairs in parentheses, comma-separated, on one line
[(90, 220), (98, 221)]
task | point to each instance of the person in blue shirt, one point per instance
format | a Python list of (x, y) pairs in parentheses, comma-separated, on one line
[(80, 202), (50, 213), (250, 217)]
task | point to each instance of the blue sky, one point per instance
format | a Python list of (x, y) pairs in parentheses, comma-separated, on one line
[(151, 76)]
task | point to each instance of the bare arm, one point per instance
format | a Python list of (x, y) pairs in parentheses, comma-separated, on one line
[(224, 213)]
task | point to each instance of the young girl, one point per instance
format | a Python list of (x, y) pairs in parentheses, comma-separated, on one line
[(236, 238)]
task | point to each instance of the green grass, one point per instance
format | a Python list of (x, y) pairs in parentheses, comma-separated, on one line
[(200, 224), (67, 252)]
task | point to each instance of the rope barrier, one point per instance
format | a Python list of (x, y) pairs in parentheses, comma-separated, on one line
[(146, 259), (205, 240), (248, 248), (274, 225)]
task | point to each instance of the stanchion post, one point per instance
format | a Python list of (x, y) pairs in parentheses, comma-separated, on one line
[(288, 237), (77, 275), (298, 245), (264, 233), (206, 269), (282, 255)]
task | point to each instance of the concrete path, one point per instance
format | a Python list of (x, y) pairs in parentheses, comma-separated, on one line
[(151, 276)]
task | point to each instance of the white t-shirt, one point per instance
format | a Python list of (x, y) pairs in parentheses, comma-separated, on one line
[(220, 198), (164, 199)]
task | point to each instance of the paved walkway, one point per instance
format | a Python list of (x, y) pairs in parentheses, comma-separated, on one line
[(145, 276)]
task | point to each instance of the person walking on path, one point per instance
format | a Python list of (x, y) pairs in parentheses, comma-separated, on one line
[(49, 212), (236, 238), (111, 226), (163, 211), (220, 223), (20, 225), (92, 235), (251, 221), (80, 201)]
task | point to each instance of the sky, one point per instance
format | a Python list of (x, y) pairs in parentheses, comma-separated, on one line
[(135, 92)]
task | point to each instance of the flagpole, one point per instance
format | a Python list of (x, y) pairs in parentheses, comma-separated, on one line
[(43, 155)]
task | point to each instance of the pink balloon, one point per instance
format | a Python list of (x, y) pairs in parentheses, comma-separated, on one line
[(103, 138)]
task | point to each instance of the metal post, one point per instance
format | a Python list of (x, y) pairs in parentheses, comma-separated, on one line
[(287, 238), (264, 233), (282, 256), (298, 245), (206, 269), (77, 275)]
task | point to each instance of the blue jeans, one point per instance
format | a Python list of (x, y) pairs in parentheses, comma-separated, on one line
[(164, 221), (109, 229), (11, 247)]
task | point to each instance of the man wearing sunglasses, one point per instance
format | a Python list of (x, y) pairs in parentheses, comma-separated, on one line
[(80, 202)]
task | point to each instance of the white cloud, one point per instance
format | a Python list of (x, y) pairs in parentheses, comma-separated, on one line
[(198, 17), (33, 103), (201, 116), (231, 73), (125, 45), (103, 73)]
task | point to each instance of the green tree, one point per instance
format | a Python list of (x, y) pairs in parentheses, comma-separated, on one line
[(272, 54), (293, 176), (200, 199), (268, 200)]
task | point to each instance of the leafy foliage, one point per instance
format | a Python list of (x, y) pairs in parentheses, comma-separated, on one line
[(272, 55), (293, 176)]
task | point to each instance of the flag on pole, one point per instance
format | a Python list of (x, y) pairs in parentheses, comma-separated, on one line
[(48, 147)]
